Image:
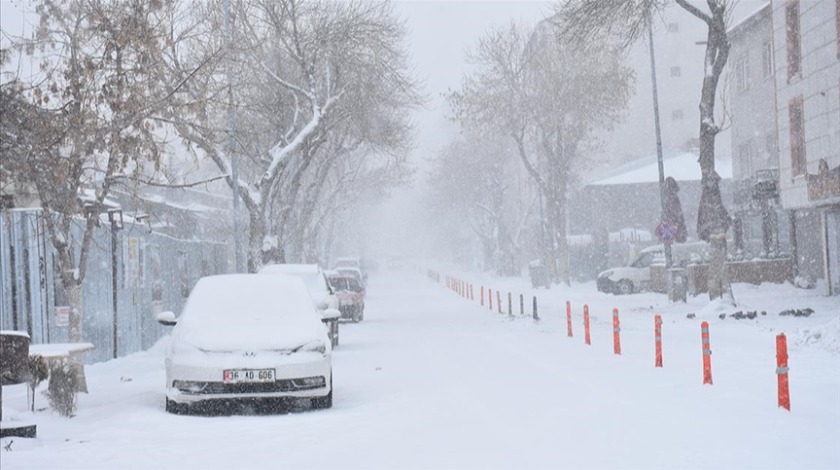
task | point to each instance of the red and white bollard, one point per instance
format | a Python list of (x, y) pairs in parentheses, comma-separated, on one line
[(568, 319), (657, 321), (586, 338), (707, 353), (616, 333), (782, 371)]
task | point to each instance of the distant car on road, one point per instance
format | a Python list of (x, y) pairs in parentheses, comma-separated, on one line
[(245, 337), (351, 296)]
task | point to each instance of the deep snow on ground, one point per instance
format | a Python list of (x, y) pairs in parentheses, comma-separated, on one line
[(433, 380)]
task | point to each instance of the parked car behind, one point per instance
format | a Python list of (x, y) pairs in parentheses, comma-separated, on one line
[(245, 337), (352, 272), (351, 296), (351, 262), (319, 290), (636, 276)]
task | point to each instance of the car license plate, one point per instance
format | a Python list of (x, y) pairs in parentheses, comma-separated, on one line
[(248, 375)]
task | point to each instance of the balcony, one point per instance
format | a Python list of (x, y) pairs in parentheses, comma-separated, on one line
[(754, 193)]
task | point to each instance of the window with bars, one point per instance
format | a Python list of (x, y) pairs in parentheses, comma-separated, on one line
[(745, 157), (767, 59), (794, 39), (742, 73), (796, 114)]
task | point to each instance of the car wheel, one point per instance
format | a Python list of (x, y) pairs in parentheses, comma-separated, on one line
[(176, 408), (625, 287), (322, 403)]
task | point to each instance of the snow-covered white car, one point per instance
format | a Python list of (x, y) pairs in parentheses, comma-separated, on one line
[(244, 337), (319, 288), (636, 277)]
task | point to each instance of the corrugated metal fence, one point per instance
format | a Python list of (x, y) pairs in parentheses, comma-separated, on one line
[(154, 272)]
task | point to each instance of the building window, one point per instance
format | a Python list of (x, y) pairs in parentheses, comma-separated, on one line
[(675, 27), (676, 72), (770, 149), (745, 159), (742, 73), (767, 59), (796, 114), (794, 39), (676, 115)]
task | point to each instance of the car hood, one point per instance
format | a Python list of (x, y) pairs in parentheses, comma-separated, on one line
[(259, 334)]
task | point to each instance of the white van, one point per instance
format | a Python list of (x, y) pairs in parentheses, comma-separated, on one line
[(636, 276)]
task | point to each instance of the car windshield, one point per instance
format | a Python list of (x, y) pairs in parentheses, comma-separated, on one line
[(260, 312), (644, 260), (311, 276), (345, 284)]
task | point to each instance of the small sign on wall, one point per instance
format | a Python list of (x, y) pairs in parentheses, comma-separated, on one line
[(62, 316)]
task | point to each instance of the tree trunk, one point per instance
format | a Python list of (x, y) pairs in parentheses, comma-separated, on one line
[(74, 301), (256, 237), (713, 221)]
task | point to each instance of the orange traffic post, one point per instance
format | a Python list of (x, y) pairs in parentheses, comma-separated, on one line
[(586, 337), (490, 298), (510, 304), (499, 300), (482, 296), (616, 332), (568, 319), (657, 321), (782, 371), (521, 305), (707, 353)]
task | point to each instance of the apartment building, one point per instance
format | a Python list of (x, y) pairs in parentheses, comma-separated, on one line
[(785, 99)]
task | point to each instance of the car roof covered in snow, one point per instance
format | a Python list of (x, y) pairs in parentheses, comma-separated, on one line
[(249, 311)]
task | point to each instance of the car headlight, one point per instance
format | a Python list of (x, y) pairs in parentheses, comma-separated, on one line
[(605, 274)]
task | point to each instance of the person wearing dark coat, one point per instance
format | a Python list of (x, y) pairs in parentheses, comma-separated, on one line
[(673, 209)]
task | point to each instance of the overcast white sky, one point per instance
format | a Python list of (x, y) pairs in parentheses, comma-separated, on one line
[(440, 32)]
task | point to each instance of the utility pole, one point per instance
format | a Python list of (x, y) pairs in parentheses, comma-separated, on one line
[(668, 258), (234, 167)]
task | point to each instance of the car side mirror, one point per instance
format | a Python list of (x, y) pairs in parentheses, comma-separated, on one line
[(167, 318), (330, 314)]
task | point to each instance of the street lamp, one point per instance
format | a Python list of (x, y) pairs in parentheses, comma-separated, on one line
[(667, 245), (115, 218)]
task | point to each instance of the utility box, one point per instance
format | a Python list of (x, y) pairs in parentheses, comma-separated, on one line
[(677, 285)]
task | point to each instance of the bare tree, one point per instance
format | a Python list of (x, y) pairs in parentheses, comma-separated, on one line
[(301, 69), (86, 118), (549, 97), (586, 19), (472, 182)]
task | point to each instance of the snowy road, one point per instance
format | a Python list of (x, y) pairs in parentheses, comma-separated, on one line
[(432, 380)]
